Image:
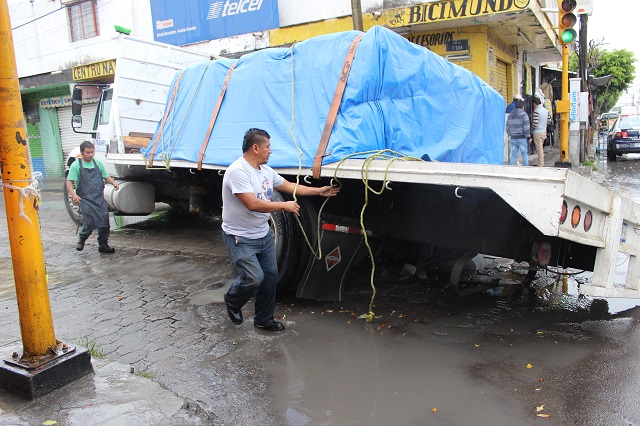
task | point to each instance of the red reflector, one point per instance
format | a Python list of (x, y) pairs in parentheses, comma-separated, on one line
[(563, 214), (588, 220), (544, 254), (341, 228)]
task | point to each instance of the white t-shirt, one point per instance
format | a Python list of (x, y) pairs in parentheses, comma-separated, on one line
[(241, 178)]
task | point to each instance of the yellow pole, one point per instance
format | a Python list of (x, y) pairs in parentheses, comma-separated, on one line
[(36, 323), (564, 115)]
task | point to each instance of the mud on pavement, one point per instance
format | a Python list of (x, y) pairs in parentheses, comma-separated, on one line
[(488, 360)]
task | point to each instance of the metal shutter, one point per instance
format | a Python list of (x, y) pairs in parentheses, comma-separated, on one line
[(68, 138), (501, 81)]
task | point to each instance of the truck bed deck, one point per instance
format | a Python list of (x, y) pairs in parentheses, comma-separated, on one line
[(594, 215)]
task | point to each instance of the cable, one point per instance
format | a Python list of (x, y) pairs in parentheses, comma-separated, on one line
[(546, 268), (39, 17)]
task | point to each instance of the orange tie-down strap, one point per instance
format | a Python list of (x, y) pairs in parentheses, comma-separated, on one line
[(164, 119), (335, 104), (205, 142)]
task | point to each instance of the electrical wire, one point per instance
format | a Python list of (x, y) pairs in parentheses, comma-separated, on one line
[(568, 274)]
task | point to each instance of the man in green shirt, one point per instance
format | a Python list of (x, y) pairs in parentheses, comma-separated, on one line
[(88, 176)]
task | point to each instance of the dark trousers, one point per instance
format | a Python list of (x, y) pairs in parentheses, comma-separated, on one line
[(103, 234), (254, 263)]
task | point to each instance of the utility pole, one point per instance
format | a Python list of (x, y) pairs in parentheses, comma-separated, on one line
[(582, 54), (566, 35), (586, 132), (31, 374), (356, 14)]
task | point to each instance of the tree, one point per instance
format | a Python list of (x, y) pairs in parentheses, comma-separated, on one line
[(620, 64)]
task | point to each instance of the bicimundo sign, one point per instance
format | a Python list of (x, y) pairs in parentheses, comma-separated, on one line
[(455, 9)]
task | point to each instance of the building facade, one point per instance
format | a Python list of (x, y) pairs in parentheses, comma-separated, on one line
[(59, 43)]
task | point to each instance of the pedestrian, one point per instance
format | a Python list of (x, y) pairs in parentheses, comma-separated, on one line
[(88, 176), (247, 189), (519, 133), (512, 105), (539, 123)]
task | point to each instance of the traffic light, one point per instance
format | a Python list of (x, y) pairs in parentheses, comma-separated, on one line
[(566, 20)]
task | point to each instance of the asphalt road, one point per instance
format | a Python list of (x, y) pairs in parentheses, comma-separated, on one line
[(485, 360)]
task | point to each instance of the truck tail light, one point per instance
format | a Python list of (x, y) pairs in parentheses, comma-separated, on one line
[(564, 213), (575, 216)]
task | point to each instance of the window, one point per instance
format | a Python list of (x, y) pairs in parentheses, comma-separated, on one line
[(105, 109), (83, 20)]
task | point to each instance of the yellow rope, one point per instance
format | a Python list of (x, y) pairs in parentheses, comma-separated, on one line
[(391, 157), (385, 154)]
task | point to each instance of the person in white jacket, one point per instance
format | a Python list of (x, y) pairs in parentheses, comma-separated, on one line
[(539, 128)]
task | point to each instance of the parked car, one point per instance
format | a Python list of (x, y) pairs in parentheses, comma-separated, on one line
[(606, 120), (624, 137)]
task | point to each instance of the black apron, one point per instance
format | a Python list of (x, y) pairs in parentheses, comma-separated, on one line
[(94, 208)]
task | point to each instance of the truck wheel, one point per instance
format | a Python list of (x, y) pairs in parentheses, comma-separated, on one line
[(291, 249), (72, 209)]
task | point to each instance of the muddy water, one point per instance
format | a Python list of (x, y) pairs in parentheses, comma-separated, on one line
[(337, 373), (490, 359)]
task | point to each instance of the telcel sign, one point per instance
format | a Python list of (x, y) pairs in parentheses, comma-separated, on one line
[(192, 21)]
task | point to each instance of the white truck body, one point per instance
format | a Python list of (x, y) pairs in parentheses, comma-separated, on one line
[(578, 217)]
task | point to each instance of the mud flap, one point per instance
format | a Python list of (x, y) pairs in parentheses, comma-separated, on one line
[(324, 278)]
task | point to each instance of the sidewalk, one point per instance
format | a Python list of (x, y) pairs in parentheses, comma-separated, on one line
[(551, 156), (112, 395)]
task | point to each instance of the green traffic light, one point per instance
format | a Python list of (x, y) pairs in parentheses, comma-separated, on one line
[(569, 35)]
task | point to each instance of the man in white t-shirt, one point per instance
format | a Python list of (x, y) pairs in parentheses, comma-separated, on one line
[(247, 189)]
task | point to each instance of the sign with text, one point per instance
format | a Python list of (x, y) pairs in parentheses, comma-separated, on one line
[(457, 45), (191, 21), (95, 71), (449, 10)]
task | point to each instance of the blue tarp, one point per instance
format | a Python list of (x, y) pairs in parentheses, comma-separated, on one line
[(399, 96)]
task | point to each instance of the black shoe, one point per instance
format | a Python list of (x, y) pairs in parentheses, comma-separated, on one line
[(104, 248), (80, 245), (235, 316), (271, 326)]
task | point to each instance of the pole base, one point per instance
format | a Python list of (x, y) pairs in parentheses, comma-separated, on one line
[(564, 164), (32, 383)]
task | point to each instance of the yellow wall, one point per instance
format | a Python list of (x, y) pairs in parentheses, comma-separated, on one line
[(481, 40), (288, 35)]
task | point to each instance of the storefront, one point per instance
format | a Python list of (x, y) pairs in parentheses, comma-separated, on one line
[(477, 49)]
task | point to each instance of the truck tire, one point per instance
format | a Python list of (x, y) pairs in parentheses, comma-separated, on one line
[(292, 251), (72, 209)]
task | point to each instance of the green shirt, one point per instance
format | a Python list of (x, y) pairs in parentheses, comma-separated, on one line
[(74, 170)]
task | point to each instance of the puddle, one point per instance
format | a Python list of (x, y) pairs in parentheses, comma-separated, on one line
[(354, 373), (206, 297)]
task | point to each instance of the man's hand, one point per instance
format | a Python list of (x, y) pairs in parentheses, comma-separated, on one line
[(292, 207), (329, 191), (75, 198)]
